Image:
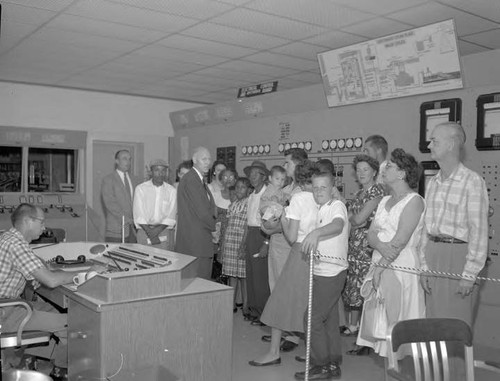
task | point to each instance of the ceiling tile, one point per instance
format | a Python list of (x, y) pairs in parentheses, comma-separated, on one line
[(300, 49), (105, 28), (144, 64), (157, 50), (282, 60), (324, 12), (490, 39), (51, 5), (264, 23), (244, 66), (335, 39), (198, 9), (290, 83), (488, 9), (233, 75), (60, 37), (380, 7), (433, 12), (376, 28), (205, 46), (306, 77), (28, 73), (25, 15), (13, 33), (234, 36), (210, 83), (123, 14), (467, 48)]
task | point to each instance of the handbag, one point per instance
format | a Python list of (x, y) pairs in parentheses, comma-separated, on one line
[(374, 322)]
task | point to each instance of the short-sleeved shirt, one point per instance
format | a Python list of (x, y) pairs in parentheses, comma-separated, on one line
[(17, 263), (303, 208), (335, 246)]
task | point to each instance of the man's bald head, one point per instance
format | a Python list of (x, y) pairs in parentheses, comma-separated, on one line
[(202, 159)]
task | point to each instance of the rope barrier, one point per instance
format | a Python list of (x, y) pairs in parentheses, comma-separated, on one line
[(318, 255)]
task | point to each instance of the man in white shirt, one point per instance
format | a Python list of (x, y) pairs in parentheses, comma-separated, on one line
[(155, 208)]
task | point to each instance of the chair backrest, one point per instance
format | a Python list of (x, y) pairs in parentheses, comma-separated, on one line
[(428, 338)]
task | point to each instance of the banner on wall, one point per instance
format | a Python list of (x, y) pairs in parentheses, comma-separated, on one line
[(415, 61)]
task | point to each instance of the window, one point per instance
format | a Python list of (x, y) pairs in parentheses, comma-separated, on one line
[(10, 169), (52, 170)]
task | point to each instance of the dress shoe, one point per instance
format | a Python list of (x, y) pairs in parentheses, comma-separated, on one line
[(287, 346), (359, 351), (320, 372), (257, 322), (266, 338), (300, 358), (269, 363)]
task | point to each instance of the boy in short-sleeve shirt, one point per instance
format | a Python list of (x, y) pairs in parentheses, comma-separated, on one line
[(329, 239)]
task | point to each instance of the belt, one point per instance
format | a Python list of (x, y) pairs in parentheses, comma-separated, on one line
[(444, 239)]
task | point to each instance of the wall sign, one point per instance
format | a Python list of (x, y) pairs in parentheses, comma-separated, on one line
[(416, 61), (252, 91)]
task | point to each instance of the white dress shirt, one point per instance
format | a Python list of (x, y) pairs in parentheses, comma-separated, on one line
[(155, 205), (122, 176)]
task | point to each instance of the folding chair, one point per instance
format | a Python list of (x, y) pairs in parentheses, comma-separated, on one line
[(428, 339), (21, 338)]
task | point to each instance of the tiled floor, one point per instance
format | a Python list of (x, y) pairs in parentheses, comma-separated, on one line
[(247, 345)]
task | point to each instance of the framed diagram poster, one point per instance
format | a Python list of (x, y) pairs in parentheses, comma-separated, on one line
[(416, 61)]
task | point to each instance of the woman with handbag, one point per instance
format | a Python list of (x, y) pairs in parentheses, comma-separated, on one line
[(392, 295)]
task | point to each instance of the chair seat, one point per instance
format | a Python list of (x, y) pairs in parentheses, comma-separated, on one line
[(9, 339)]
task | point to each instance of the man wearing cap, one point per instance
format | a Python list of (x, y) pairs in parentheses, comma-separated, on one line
[(196, 214), (155, 208), (117, 193), (256, 245)]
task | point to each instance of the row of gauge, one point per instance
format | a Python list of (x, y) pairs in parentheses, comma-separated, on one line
[(261, 149), (343, 143)]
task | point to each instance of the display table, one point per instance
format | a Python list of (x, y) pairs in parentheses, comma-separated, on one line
[(144, 317)]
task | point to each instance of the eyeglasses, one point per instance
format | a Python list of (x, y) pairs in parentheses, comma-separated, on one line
[(42, 220)]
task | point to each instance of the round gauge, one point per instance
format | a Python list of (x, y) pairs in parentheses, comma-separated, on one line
[(349, 143), (341, 143), (244, 150), (267, 148), (287, 146), (255, 149), (325, 144), (281, 147), (333, 144), (358, 142), (250, 150), (308, 146), (300, 145), (261, 149)]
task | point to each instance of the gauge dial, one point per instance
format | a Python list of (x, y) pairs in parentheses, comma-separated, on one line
[(333, 144), (287, 146), (349, 143), (301, 145), (261, 149), (341, 143), (281, 147), (267, 148), (244, 150), (325, 144), (308, 146), (358, 142)]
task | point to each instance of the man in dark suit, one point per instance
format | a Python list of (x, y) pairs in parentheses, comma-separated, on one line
[(196, 214), (117, 194)]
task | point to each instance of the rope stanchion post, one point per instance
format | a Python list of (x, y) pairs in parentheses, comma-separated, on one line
[(309, 316)]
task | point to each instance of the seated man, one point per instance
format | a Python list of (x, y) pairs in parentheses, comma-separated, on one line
[(19, 264)]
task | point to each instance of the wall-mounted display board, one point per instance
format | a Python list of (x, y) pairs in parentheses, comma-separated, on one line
[(416, 61), (436, 112), (488, 122)]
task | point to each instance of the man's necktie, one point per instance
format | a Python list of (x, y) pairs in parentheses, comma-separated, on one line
[(127, 185)]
